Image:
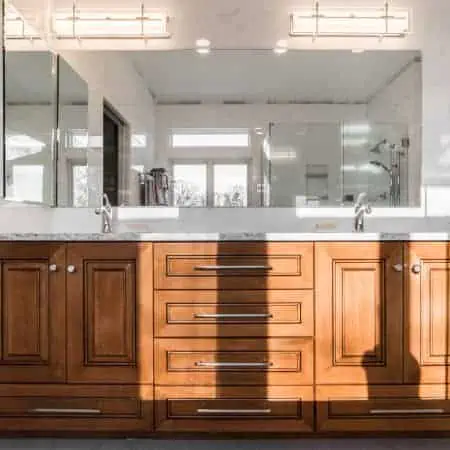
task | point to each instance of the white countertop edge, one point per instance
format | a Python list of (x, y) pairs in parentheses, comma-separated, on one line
[(217, 237)]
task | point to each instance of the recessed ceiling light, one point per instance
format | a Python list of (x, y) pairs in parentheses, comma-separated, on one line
[(281, 47), (259, 131), (203, 42)]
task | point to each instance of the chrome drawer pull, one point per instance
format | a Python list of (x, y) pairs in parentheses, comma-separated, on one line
[(232, 316), (233, 411), (232, 268), (65, 411), (406, 411), (233, 364)]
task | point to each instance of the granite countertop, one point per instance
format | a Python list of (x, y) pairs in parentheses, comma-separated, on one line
[(231, 236)]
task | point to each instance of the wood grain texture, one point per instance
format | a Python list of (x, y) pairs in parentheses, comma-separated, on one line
[(290, 265), (32, 302), (382, 408), (263, 313), (182, 361), (359, 301), (102, 307), (427, 330), (86, 409), (237, 409)]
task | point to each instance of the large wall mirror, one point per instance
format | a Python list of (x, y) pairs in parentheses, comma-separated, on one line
[(238, 128), (232, 128)]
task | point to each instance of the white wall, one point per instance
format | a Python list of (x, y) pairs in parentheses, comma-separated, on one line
[(113, 78)]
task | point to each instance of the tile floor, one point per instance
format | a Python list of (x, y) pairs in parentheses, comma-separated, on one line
[(304, 444)]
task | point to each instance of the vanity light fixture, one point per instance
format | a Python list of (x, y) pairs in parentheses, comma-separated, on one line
[(94, 24), (281, 47), (16, 27), (345, 22), (203, 46)]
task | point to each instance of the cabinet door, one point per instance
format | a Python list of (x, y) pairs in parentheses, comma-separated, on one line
[(32, 303), (359, 295), (109, 307), (427, 343)]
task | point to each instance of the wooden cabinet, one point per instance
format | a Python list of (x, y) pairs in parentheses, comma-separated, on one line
[(359, 297), (234, 313), (427, 341), (248, 337), (372, 408), (234, 265), (218, 362), (109, 306), (86, 409), (270, 409), (32, 302)]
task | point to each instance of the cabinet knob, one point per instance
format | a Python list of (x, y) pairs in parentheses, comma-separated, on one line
[(52, 268), (416, 268), (71, 269), (398, 267)]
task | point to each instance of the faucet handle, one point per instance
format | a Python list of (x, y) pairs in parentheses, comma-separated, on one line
[(361, 197), (106, 202)]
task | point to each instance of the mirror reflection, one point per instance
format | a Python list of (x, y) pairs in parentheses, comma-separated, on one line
[(30, 121), (72, 172), (238, 128)]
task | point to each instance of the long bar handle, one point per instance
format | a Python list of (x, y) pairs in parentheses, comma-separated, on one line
[(233, 364), (215, 268), (406, 411), (233, 411), (65, 411), (232, 316)]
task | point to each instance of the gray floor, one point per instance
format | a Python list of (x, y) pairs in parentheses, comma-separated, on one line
[(304, 444)]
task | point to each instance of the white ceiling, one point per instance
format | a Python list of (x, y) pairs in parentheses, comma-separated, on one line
[(255, 76)]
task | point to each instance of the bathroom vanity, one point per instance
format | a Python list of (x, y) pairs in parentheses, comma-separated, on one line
[(297, 338)]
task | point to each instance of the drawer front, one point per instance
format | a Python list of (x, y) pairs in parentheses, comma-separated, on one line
[(234, 265), (234, 409), (382, 408), (53, 408), (234, 362), (233, 313)]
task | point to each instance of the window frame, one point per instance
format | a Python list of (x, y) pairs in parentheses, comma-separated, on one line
[(210, 163)]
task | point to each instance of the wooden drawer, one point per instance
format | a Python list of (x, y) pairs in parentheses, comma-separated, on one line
[(234, 409), (383, 408), (234, 362), (112, 409), (233, 313), (234, 265)]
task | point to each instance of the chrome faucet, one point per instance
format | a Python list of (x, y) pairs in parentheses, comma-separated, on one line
[(106, 212), (362, 208)]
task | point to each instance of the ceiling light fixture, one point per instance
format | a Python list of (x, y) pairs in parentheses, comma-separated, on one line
[(203, 46), (16, 27), (94, 24), (343, 22), (281, 47)]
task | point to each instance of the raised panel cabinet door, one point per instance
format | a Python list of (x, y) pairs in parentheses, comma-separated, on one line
[(359, 300), (32, 303), (427, 341), (109, 306)]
